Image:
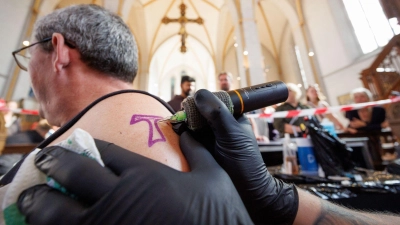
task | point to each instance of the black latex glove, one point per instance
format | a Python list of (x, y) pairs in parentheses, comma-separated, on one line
[(132, 189), (268, 200)]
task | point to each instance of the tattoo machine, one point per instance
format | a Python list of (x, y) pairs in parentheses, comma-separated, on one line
[(238, 102)]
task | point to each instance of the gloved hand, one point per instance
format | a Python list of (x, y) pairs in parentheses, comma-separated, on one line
[(235, 148), (132, 189)]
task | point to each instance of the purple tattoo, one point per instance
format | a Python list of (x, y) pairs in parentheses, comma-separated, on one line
[(152, 121)]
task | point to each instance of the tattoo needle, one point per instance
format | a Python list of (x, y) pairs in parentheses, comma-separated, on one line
[(178, 117)]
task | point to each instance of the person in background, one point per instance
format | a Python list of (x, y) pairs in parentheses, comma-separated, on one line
[(12, 122), (268, 200), (263, 128), (315, 99), (51, 131), (365, 119), (34, 136), (369, 121), (290, 125), (260, 127), (186, 88), (225, 81)]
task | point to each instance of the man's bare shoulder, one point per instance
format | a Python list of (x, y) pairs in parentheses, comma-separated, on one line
[(130, 120)]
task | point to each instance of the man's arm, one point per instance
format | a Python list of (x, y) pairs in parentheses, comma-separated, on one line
[(290, 128), (313, 210), (259, 137), (335, 120)]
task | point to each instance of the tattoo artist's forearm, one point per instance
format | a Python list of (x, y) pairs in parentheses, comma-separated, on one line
[(333, 214)]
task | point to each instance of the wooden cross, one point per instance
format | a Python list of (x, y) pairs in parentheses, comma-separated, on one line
[(183, 20)]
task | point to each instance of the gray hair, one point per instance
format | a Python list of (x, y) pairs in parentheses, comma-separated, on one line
[(104, 41), (296, 89), (365, 91)]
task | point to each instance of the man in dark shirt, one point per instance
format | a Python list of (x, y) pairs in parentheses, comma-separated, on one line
[(186, 88), (290, 125)]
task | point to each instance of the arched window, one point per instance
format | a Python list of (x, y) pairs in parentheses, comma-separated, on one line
[(372, 28)]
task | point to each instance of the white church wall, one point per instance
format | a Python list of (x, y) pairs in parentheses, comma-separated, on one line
[(326, 40), (271, 69), (13, 15), (22, 86), (336, 50), (345, 79)]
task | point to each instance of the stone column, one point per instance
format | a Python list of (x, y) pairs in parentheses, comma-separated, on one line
[(254, 59)]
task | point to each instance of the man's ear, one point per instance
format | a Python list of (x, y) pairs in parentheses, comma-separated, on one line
[(61, 52)]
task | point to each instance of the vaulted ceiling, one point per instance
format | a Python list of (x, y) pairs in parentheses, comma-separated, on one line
[(207, 43)]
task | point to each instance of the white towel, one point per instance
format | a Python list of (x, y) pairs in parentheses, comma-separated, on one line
[(28, 175)]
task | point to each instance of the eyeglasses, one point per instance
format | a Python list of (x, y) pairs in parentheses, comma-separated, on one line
[(23, 60)]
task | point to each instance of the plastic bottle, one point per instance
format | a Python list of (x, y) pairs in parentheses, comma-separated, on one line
[(285, 152), (289, 156), (293, 157)]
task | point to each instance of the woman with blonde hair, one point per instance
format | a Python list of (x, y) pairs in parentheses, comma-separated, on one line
[(315, 99)]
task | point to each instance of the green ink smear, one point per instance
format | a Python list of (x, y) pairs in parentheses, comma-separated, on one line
[(13, 216), (69, 141), (180, 116)]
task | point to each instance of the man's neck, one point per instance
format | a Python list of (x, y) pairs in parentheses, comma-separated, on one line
[(87, 91), (184, 95)]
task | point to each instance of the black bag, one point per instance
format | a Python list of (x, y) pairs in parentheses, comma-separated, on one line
[(331, 153)]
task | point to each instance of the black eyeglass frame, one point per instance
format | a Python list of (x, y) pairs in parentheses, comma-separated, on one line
[(14, 53)]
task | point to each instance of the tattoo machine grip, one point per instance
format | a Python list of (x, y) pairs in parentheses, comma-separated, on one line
[(239, 101)]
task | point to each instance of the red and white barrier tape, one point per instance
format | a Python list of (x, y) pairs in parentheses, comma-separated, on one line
[(2, 103), (21, 111), (317, 111), (280, 114), (3, 107)]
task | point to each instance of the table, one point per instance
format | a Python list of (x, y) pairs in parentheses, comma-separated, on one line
[(363, 143), (387, 202), (375, 141), (273, 146), (272, 152)]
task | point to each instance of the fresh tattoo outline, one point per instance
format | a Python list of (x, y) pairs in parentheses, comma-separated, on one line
[(153, 127)]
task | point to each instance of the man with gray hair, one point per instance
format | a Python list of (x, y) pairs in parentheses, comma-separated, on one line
[(82, 65), (130, 188)]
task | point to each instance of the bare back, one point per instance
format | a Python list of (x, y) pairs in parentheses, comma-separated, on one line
[(130, 121)]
